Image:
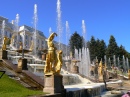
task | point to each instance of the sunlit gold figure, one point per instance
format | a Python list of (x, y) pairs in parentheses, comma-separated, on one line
[(13, 36), (129, 74), (32, 46), (100, 69), (20, 45), (6, 41), (51, 59), (59, 62), (47, 68)]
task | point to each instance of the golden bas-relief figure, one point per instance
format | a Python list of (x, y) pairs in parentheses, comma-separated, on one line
[(53, 59)]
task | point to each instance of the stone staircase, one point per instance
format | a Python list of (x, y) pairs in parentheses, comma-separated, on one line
[(26, 78)]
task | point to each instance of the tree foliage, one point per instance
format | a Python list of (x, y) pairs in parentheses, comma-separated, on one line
[(97, 48), (112, 48), (76, 41)]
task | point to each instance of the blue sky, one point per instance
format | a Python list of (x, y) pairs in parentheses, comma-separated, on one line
[(102, 17)]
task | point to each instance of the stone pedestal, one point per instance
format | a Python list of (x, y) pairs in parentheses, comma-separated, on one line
[(53, 84), (22, 65), (67, 66), (74, 66), (100, 78), (3, 54), (75, 69), (44, 57)]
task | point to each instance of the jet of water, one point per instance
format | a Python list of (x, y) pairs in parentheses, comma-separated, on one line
[(50, 30), (17, 29), (84, 33), (127, 62), (118, 62), (114, 60), (67, 36), (35, 18), (59, 23), (124, 63), (3, 29)]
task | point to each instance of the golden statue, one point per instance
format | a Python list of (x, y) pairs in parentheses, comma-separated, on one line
[(53, 60), (129, 74), (6, 41), (59, 63), (100, 69), (51, 56), (48, 67), (20, 45), (13, 36), (32, 45)]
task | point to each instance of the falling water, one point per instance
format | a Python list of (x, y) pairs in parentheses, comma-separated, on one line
[(50, 30), (118, 62), (3, 29), (88, 61), (35, 18), (127, 62), (67, 36), (105, 59), (17, 29), (84, 33), (114, 60), (109, 62), (124, 63), (76, 54), (59, 23)]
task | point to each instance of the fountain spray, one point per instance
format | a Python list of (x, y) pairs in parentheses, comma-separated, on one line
[(84, 33), (50, 30), (67, 36), (3, 29), (17, 29), (59, 23), (35, 18)]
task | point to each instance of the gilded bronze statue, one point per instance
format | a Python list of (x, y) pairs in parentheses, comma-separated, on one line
[(53, 59), (59, 63), (20, 45), (6, 41), (100, 69)]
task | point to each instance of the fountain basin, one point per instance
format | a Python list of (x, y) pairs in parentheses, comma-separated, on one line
[(70, 79)]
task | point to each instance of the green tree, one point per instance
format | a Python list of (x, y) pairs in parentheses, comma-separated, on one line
[(122, 52), (112, 48), (92, 48), (101, 49), (75, 42)]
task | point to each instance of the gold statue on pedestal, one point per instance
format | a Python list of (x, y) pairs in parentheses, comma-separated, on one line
[(100, 68), (20, 45), (6, 41), (100, 73), (32, 46), (53, 59)]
